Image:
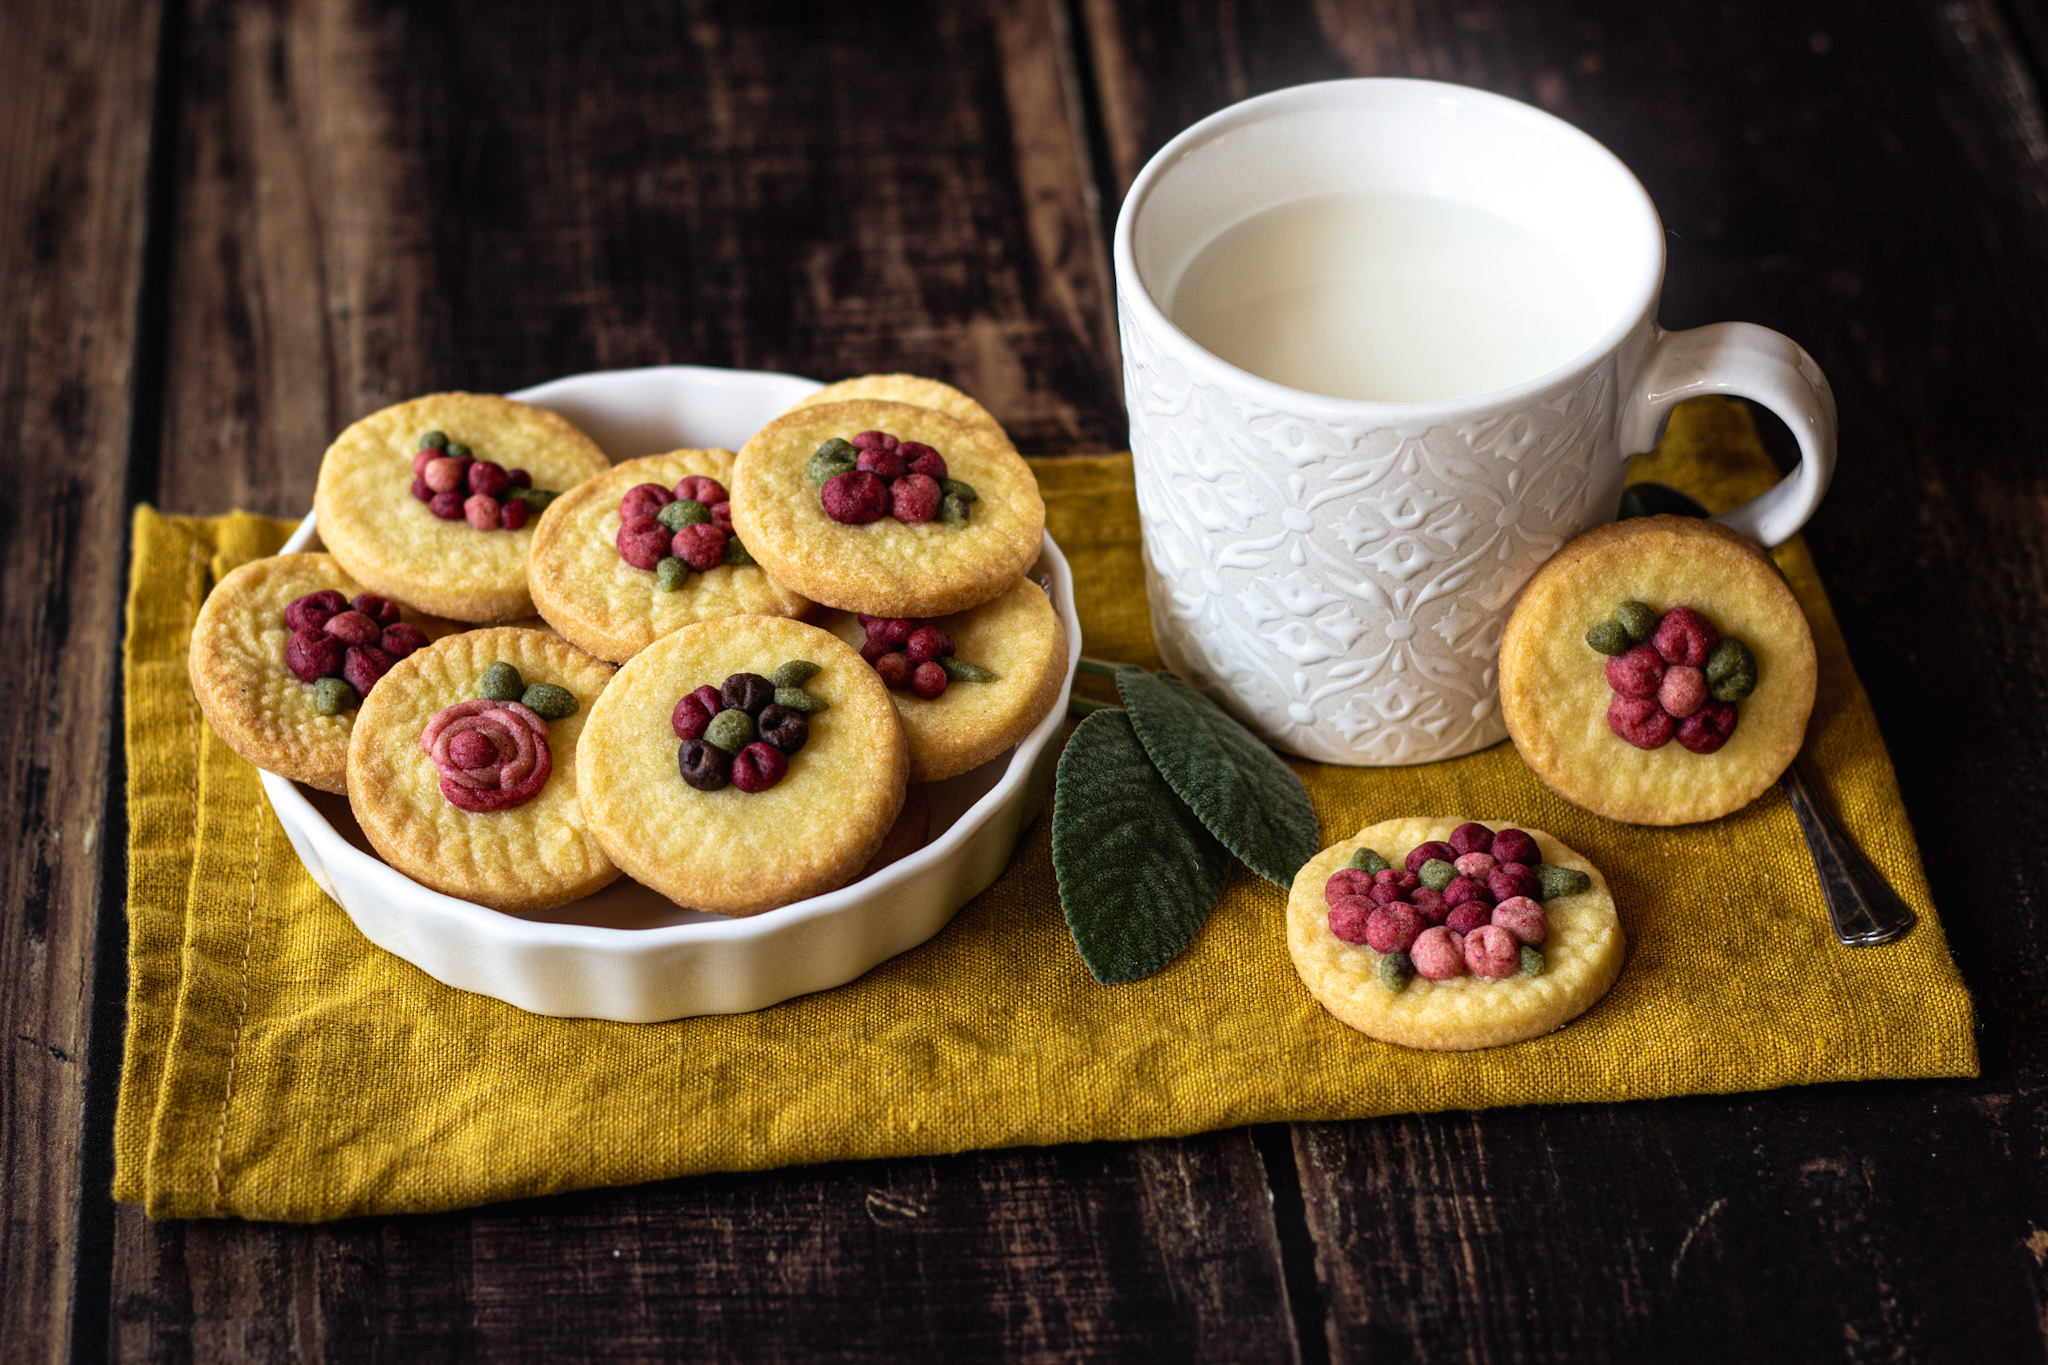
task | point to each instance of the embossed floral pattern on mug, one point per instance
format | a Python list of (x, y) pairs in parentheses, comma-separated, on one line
[(1335, 578)]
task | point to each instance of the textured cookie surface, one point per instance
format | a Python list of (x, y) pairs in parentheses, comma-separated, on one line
[(728, 851), (528, 857), (1020, 639), (236, 663), (608, 607), (393, 545), (1583, 956), (887, 567), (915, 390), (1553, 685)]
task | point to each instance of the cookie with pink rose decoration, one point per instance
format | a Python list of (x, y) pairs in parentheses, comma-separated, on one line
[(1658, 671), (887, 509), (461, 769), (283, 652), (433, 501), (1449, 934), (645, 549)]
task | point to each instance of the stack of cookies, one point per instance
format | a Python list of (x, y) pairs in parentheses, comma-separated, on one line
[(742, 667)]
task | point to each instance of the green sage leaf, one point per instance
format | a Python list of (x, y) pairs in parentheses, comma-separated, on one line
[(1138, 873), (1237, 786)]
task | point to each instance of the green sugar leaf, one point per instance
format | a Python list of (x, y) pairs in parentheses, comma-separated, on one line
[(1237, 786), (1138, 873)]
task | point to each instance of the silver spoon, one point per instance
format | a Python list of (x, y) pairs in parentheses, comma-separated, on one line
[(1862, 905)]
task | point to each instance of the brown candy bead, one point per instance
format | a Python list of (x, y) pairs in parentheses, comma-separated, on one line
[(747, 692), (703, 764), (784, 728)]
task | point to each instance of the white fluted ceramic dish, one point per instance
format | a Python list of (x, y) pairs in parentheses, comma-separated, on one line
[(627, 953)]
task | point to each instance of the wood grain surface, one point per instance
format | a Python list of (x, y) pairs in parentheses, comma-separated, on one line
[(75, 120), (356, 201)]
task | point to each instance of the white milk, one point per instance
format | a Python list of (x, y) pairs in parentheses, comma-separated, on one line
[(1387, 297)]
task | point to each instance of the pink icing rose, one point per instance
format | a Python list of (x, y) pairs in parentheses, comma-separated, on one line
[(492, 755)]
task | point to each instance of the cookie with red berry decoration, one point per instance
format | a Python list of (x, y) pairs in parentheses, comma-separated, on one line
[(462, 769), (738, 765), (913, 389), (1525, 952), (970, 685), (887, 508), (616, 562), (282, 652), (1658, 671), (433, 501)]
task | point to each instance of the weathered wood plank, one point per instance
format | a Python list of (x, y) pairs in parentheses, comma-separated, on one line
[(1868, 180), (75, 97), (1144, 1251), (377, 204)]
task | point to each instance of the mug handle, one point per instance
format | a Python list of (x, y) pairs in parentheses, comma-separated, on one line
[(1756, 363)]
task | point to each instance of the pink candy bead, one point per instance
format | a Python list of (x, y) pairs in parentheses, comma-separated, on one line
[(1516, 846), (701, 488), (1471, 837), (1685, 637), (1349, 918), (1462, 889), (1347, 881), (1708, 728), (1438, 954), (1466, 916), (1683, 691), (1640, 721), (444, 475), (1422, 853), (1523, 918), (1510, 880), (886, 465), (1393, 928), (1491, 951), (1636, 674)]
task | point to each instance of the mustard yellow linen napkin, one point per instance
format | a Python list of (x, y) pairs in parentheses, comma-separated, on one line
[(280, 1067)]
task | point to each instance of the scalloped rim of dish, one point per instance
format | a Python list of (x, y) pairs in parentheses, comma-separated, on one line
[(293, 807)]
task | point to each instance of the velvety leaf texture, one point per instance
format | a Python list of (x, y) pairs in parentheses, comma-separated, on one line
[(1138, 873), (1234, 784)]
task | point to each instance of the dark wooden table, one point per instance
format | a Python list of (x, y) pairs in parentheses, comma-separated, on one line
[(228, 227)]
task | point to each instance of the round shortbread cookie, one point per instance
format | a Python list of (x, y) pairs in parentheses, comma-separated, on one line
[(1553, 685), (887, 567), (1019, 638), (388, 539), (728, 851), (526, 857), (605, 605), (915, 390), (253, 701), (1582, 956)]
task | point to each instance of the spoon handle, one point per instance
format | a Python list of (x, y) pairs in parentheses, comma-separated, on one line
[(1864, 908)]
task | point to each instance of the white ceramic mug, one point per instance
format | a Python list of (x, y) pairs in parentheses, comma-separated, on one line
[(1336, 571)]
